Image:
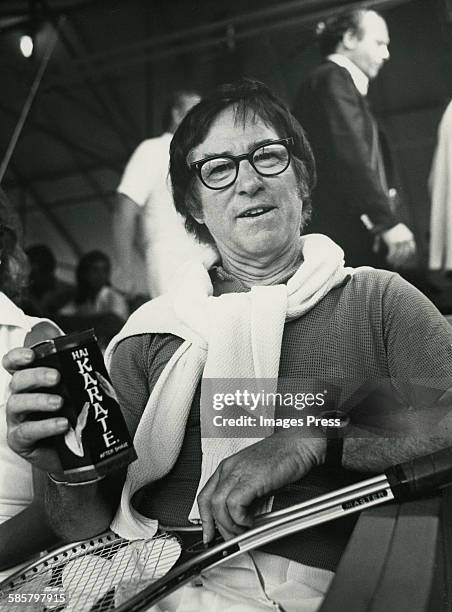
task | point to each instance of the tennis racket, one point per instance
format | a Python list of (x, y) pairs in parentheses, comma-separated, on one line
[(109, 573)]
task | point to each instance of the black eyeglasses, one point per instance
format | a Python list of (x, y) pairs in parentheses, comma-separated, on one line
[(221, 171)]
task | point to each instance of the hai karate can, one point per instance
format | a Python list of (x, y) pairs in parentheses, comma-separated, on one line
[(98, 441)]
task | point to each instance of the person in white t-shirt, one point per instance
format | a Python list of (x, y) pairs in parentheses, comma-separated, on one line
[(144, 193), (440, 252), (24, 528)]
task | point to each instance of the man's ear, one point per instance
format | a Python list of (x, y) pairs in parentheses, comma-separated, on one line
[(349, 40), (195, 210)]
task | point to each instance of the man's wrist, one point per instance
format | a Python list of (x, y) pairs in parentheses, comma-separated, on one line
[(308, 451), (321, 450), (312, 450)]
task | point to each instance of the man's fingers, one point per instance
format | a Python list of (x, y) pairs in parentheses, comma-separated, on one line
[(228, 535), (205, 509), (19, 405), (239, 482), (238, 502), (223, 520), (405, 252), (391, 254), (17, 358), (26, 435), (400, 252), (33, 378), (223, 504)]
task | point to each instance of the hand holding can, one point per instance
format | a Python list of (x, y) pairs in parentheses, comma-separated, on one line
[(97, 440)]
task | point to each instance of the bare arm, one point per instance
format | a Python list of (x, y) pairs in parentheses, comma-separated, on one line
[(28, 532), (81, 512), (228, 499), (229, 496), (73, 512), (377, 454), (25, 535), (125, 217), (418, 343)]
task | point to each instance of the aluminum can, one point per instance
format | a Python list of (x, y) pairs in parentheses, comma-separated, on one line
[(98, 440)]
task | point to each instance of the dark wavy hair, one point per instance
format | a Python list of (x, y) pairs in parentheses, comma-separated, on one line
[(249, 99), (331, 31), (14, 264)]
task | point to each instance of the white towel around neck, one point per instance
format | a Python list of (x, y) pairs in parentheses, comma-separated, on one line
[(233, 336)]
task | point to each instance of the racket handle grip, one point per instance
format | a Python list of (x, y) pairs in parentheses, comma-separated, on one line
[(421, 476)]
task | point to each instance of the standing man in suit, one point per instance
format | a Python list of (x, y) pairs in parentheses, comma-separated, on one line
[(354, 202)]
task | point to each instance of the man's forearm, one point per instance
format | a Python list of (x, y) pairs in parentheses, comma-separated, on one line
[(24, 535), (82, 511), (376, 454), (124, 227)]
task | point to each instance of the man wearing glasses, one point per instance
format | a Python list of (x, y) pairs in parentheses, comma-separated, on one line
[(278, 308)]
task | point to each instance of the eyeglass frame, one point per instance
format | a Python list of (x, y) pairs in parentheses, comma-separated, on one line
[(196, 166)]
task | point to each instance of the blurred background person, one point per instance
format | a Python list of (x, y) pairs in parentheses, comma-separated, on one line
[(94, 294), (46, 293), (440, 254), (354, 202), (96, 303), (144, 200), (23, 525)]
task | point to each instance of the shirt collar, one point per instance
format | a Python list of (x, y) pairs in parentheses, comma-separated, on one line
[(11, 314), (360, 80)]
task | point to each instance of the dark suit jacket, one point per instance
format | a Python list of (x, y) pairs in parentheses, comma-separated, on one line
[(340, 128)]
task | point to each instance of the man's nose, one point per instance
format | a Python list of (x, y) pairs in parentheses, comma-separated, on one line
[(385, 54), (248, 180)]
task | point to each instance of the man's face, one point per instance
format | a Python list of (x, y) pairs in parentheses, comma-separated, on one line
[(98, 275), (225, 212), (369, 48)]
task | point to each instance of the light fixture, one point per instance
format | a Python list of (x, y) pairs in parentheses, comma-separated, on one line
[(28, 39), (26, 45)]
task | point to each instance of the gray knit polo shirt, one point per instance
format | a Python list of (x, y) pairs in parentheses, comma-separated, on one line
[(375, 326)]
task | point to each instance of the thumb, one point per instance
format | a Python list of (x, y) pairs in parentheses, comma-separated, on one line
[(205, 508)]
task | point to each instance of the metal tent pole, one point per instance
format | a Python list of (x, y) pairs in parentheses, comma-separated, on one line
[(29, 101)]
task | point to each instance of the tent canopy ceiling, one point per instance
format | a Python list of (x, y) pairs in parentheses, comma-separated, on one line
[(108, 66)]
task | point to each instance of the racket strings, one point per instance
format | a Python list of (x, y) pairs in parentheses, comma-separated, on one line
[(95, 576)]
